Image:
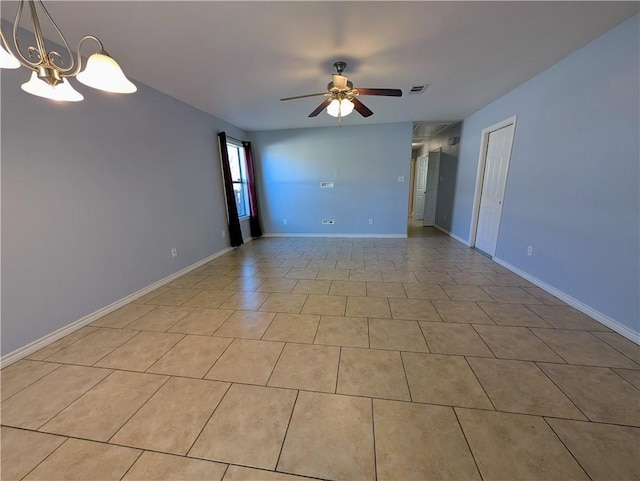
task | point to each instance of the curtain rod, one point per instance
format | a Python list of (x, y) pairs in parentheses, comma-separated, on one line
[(236, 140)]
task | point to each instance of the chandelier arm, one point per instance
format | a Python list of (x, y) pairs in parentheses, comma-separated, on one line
[(63, 71), (45, 58), (16, 51), (78, 64), (5, 43)]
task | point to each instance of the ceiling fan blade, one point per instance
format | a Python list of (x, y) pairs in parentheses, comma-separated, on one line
[(383, 92), (361, 108), (303, 96), (320, 108)]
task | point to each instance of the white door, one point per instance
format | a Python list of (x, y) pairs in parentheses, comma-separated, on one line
[(431, 191), (420, 187), (496, 166)]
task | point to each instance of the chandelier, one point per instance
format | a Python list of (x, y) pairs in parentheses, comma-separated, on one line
[(50, 70)]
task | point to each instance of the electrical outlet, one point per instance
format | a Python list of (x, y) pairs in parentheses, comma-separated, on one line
[(401, 178), (174, 252), (370, 221), (328, 221), (224, 233), (529, 250), (284, 221)]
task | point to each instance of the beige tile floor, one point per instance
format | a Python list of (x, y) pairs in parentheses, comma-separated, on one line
[(331, 358)]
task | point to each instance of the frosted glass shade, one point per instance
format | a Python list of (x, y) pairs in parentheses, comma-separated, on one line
[(340, 108), (103, 73), (7, 60), (62, 92)]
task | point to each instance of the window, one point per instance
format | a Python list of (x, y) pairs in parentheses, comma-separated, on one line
[(238, 168)]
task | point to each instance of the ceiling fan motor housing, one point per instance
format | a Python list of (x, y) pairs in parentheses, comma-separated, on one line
[(339, 83)]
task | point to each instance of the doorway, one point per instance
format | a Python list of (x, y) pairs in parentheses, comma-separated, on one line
[(491, 182)]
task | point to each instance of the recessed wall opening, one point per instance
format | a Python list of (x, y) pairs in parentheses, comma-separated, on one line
[(423, 134)]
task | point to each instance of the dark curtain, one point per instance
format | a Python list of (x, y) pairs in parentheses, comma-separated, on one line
[(235, 233), (254, 219)]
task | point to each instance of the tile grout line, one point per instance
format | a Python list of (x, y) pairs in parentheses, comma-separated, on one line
[(484, 341), (623, 378), (139, 408), (475, 375), (142, 451), (35, 380), (284, 346), (335, 390), (548, 346), (560, 388), (45, 458), (466, 440), (373, 433), (76, 399), (566, 447), (613, 347), (286, 432), (28, 358), (406, 377), (233, 340), (206, 423)]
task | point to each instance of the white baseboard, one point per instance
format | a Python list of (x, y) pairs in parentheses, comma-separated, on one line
[(585, 309), (38, 344), (351, 236), (450, 234)]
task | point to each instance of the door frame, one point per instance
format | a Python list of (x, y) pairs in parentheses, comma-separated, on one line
[(482, 161)]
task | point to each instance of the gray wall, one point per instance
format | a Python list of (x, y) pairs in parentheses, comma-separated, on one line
[(94, 196), (448, 174), (364, 163), (572, 188)]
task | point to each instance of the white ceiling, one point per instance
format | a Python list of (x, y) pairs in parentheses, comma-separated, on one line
[(236, 59)]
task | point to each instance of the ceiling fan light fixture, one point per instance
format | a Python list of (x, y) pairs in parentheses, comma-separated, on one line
[(341, 98), (340, 107), (63, 91), (103, 73)]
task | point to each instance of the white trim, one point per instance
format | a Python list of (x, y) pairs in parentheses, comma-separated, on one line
[(366, 236), (38, 344), (589, 311), (451, 234), (484, 144)]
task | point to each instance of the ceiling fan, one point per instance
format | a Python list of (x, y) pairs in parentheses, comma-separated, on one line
[(342, 98)]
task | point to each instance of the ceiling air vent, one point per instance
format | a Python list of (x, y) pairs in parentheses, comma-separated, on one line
[(418, 89)]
